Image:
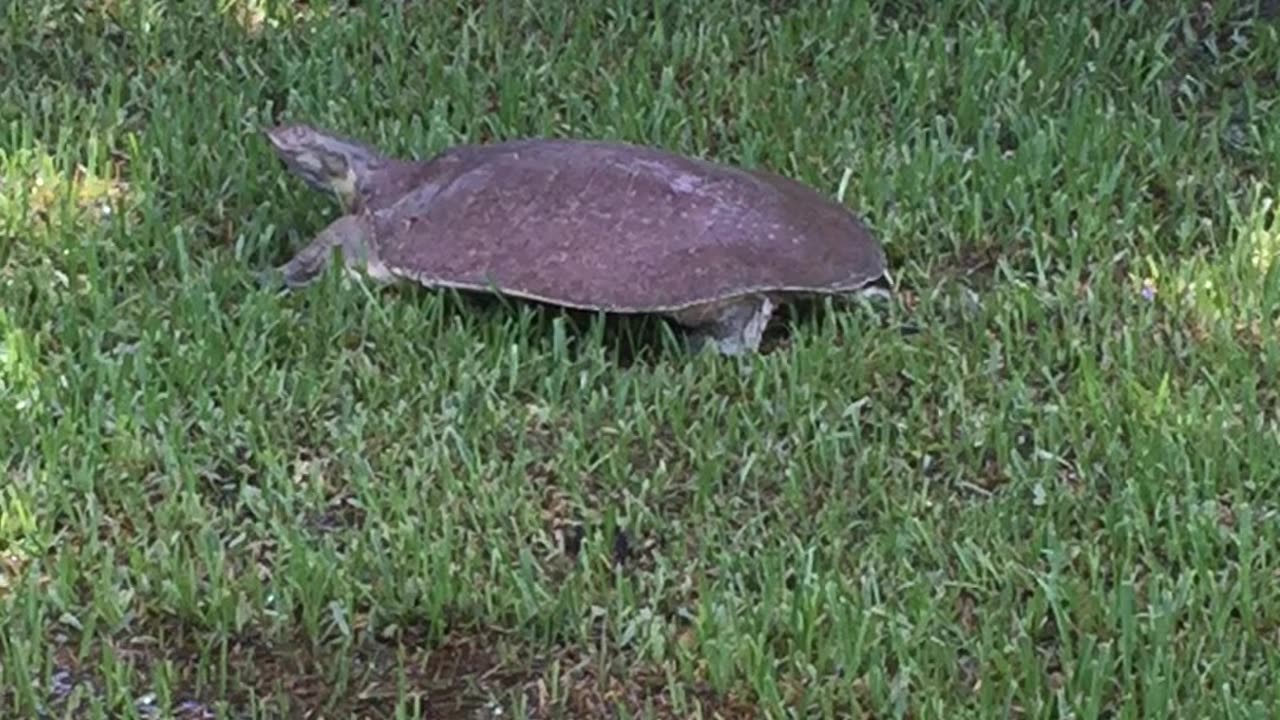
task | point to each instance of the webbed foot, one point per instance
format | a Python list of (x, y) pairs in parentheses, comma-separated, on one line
[(736, 330), (309, 263)]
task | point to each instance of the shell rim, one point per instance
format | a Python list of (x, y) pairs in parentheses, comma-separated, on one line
[(794, 290)]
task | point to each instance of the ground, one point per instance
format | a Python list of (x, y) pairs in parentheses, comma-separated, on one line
[(1039, 483)]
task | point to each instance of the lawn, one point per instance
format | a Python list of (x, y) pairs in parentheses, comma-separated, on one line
[(1039, 483)]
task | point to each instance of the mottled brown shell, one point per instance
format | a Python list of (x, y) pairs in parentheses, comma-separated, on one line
[(613, 226)]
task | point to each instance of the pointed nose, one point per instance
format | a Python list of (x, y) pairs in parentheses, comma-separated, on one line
[(282, 136)]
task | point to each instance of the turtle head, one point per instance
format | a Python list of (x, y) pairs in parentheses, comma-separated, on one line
[(323, 160)]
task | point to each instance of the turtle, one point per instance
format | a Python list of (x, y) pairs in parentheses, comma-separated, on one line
[(588, 224)]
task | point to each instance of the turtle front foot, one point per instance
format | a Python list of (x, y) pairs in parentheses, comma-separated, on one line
[(309, 264), (270, 279), (282, 279)]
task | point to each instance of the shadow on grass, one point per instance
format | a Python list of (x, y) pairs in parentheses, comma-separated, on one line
[(464, 675), (629, 340)]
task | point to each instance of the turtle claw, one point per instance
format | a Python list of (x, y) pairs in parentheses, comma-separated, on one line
[(279, 279), (268, 279), (275, 280)]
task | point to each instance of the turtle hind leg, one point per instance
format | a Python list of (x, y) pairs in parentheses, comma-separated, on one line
[(735, 329), (309, 264)]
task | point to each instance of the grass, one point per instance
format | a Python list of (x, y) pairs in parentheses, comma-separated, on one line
[(1055, 498)]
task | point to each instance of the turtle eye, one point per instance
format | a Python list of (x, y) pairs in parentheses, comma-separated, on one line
[(333, 164), (305, 161)]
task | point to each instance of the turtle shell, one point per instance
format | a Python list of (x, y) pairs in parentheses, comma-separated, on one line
[(617, 227)]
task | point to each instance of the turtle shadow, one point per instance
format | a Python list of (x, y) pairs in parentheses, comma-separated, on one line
[(628, 340)]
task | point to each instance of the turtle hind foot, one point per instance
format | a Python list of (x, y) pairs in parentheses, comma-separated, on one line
[(736, 330)]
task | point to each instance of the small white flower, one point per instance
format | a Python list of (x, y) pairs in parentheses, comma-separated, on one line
[(1149, 289)]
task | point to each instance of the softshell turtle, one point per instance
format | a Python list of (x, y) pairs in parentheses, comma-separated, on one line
[(585, 224)]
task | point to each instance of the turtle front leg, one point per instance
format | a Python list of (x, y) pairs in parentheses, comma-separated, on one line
[(309, 263), (736, 329)]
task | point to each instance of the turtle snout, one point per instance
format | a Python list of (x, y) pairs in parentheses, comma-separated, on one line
[(279, 136)]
